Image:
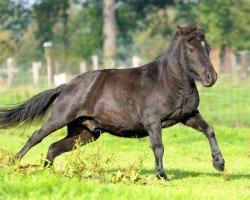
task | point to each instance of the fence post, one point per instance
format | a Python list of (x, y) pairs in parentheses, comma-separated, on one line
[(83, 67), (47, 47), (49, 71), (136, 61), (10, 70), (95, 62), (60, 79), (36, 66)]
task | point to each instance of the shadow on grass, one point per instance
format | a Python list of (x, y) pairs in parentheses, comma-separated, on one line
[(181, 174)]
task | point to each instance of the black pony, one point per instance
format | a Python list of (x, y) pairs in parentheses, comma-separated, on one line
[(135, 102)]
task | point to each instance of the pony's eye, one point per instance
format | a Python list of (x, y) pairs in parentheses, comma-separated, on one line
[(191, 50)]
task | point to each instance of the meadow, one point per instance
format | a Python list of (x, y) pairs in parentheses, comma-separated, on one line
[(118, 168)]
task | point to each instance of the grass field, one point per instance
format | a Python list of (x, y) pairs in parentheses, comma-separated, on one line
[(115, 168)]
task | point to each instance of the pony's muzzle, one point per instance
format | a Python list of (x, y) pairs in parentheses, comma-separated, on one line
[(209, 79)]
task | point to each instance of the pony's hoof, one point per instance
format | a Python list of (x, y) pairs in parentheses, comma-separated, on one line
[(47, 164), (163, 176), (219, 163)]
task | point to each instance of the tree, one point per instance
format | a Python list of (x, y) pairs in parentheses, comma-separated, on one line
[(221, 18), (85, 29), (133, 31), (7, 45), (47, 14), (27, 48), (158, 28), (14, 20), (14, 17), (187, 12), (224, 20), (109, 33)]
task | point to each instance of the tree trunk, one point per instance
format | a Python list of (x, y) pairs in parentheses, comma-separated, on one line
[(229, 61), (244, 64), (215, 59), (109, 32)]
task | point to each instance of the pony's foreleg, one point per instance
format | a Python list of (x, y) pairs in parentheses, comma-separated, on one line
[(198, 123), (155, 135), (67, 144)]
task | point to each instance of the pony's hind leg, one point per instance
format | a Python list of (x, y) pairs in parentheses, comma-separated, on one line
[(75, 133), (50, 126)]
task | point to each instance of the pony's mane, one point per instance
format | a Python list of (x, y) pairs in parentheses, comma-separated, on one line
[(190, 32), (183, 34)]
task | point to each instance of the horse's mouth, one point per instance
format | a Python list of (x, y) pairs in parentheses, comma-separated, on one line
[(206, 83), (207, 78)]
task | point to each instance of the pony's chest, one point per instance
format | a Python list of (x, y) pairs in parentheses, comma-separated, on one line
[(185, 104), (190, 103), (182, 106)]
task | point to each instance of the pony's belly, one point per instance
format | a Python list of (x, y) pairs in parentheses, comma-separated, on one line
[(129, 134)]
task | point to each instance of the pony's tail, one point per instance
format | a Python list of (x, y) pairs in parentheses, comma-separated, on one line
[(26, 112)]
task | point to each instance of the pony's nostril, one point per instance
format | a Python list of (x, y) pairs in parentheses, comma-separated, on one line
[(208, 77)]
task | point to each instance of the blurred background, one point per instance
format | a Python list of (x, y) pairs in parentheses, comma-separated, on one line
[(44, 43)]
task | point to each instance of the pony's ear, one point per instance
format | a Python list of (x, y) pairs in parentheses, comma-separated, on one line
[(190, 32), (185, 31)]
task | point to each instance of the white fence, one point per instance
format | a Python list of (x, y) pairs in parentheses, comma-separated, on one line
[(56, 72)]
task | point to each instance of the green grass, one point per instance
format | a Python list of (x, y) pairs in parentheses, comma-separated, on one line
[(187, 161), (107, 168)]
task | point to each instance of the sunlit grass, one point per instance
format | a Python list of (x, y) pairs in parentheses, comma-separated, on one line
[(187, 160)]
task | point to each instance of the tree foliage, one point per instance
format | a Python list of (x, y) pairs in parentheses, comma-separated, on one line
[(159, 28), (14, 17), (143, 27), (86, 29), (226, 21), (28, 47), (47, 14), (7, 45)]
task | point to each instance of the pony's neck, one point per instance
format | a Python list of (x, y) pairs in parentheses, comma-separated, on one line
[(174, 72)]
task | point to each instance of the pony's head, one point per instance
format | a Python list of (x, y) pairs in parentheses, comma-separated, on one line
[(194, 54)]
